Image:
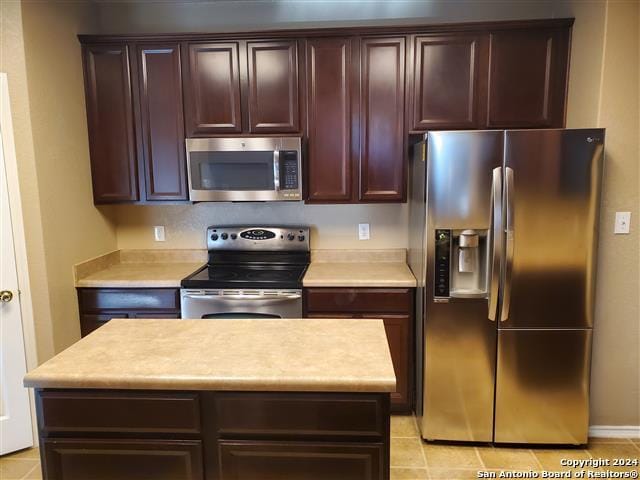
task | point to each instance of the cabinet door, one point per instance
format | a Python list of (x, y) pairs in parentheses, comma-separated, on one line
[(448, 79), (382, 139), (273, 87), (399, 330), (73, 459), (110, 123), (162, 122), (330, 115), (241, 460), (528, 78), (212, 89)]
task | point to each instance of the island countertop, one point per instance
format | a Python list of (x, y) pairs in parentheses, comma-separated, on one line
[(306, 355)]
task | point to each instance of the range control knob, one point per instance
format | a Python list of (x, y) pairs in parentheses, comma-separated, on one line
[(234, 236), (301, 238), (224, 236), (290, 237), (214, 237)]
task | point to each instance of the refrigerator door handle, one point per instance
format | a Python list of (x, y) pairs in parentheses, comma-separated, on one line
[(509, 194), (496, 238)]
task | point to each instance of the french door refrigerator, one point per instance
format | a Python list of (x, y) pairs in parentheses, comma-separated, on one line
[(503, 243)]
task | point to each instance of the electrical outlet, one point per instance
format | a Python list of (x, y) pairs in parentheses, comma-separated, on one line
[(158, 233), (363, 231), (623, 223)]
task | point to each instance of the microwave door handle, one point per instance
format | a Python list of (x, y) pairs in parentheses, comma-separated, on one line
[(496, 239), (509, 195), (276, 170)]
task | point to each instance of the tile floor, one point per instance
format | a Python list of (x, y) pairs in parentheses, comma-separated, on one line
[(412, 459)]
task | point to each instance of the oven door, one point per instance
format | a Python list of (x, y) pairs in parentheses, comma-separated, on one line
[(244, 169), (241, 303)]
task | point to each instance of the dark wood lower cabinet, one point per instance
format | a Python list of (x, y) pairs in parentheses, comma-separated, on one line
[(395, 307), (300, 461), (117, 459), (147, 435)]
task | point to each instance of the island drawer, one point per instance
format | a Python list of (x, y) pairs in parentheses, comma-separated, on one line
[(300, 415), (302, 460), (125, 412), (389, 300)]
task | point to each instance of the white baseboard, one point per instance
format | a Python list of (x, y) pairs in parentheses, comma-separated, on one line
[(614, 431)]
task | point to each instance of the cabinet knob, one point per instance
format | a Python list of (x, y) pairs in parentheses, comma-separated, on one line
[(6, 296)]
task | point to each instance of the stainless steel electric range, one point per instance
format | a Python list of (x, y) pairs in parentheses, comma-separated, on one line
[(252, 272)]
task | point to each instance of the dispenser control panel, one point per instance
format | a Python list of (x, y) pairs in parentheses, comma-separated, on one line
[(443, 263)]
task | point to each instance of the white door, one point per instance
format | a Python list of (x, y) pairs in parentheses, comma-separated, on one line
[(15, 412)]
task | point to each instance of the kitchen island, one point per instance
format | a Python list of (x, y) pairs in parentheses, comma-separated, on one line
[(218, 399)]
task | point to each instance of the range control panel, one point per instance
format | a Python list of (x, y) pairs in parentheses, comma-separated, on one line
[(442, 263), (233, 237)]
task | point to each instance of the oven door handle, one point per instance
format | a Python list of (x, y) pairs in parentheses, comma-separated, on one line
[(292, 296)]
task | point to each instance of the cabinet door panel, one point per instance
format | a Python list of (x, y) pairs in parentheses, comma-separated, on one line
[(212, 89), (301, 460), (330, 107), (528, 78), (446, 80), (110, 123), (273, 87), (71, 459), (382, 156), (161, 113)]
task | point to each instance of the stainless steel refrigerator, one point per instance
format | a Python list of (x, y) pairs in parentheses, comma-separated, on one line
[(503, 243)]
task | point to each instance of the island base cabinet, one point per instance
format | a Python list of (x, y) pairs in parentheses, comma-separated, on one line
[(300, 461), (111, 459), (90, 434)]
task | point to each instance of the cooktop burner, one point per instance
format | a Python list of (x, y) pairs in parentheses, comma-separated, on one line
[(244, 276), (253, 258)]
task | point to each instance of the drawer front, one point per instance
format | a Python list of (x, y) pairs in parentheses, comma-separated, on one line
[(302, 461), (92, 299), (83, 459), (250, 415), (392, 300), (123, 412)]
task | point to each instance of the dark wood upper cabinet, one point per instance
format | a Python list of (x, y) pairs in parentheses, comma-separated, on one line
[(212, 89), (331, 94), (449, 83), (382, 138), (273, 86), (161, 115), (528, 77), (110, 123)]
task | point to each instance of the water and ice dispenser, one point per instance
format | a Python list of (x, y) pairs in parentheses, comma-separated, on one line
[(461, 263)]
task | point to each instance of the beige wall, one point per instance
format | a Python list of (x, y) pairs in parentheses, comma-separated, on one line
[(616, 354), (63, 227)]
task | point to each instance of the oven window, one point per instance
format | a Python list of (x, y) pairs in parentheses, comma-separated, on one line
[(232, 170)]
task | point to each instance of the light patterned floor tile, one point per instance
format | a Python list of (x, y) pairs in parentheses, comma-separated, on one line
[(35, 474), (446, 456), (452, 473), (511, 458), (32, 453), (409, 474), (594, 440), (11, 469), (406, 452), (403, 426), (615, 451), (550, 458)]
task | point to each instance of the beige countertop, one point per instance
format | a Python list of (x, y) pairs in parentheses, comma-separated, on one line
[(139, 268), (359, 268), (165, 268), (323, 355)]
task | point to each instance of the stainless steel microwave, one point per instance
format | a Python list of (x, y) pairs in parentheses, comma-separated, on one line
[(244, 169)]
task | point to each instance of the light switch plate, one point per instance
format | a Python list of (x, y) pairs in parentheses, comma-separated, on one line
[(158, 233), (623, 223), (363, 231)]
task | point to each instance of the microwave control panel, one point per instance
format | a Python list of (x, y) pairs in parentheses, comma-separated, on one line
[(289, 175)]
